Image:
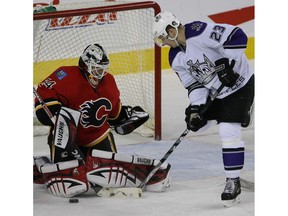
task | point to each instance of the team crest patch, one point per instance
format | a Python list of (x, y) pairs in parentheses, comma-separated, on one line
[(197, 26), (61, 74), (95, 113), (204, 71)]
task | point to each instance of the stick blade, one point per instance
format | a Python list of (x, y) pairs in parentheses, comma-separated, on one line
[(247, 184), (120, 192)]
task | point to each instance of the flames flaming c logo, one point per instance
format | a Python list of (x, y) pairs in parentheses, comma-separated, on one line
[(94, 113)]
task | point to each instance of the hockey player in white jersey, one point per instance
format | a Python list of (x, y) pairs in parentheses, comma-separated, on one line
[(206, 56)]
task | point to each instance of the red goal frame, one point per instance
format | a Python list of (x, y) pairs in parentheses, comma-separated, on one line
[(157, 57)]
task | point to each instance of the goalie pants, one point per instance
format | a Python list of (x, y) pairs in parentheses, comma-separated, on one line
[(107, 144)]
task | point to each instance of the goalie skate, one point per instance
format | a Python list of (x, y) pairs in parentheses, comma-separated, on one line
[(38, 178), (232, 191)]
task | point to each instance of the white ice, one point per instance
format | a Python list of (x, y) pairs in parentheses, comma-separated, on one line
[(197, 170)]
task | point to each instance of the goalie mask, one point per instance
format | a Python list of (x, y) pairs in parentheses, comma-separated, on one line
[(161, 22), (94, 62)]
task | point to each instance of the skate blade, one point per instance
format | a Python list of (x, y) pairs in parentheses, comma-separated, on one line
[(229, 203)]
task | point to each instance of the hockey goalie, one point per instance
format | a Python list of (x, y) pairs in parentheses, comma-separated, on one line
[(81, 104)]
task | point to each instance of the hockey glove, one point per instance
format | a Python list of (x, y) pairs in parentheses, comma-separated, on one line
[(135, 117), (193, 119), (227, 76)]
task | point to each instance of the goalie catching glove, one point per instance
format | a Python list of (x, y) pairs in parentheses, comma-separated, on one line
[(134, 117)]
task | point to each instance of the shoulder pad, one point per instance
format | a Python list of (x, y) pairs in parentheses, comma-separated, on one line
[(194, 29)]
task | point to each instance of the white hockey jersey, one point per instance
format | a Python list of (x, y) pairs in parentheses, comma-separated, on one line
[(206, 43)]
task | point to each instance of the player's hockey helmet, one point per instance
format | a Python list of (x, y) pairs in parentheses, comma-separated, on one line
[(94, 60), (161, 22)]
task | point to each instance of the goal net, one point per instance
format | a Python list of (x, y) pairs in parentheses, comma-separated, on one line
[(124, 30)]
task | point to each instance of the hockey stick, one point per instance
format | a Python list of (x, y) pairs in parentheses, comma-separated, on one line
[(178, 141), (42, 103), (122, 192), (169, 152), (247, 184)]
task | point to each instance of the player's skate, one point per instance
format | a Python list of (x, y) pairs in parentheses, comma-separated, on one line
[(232, 191)]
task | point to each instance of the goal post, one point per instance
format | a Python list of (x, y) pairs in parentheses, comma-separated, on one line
[(124, 30)]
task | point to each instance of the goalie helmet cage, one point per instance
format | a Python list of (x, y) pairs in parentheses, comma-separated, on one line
[(123, 29)]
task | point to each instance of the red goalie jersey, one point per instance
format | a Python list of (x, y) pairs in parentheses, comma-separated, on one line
[(67, 86)]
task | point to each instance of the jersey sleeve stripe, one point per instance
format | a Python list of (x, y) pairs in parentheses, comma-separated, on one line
[(236, 40), (194, 86)]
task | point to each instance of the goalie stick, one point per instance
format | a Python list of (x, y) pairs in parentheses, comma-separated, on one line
[(123, 192), (42, 103), (178, 141)]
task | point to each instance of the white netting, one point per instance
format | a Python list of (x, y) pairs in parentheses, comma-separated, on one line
[(125, 35)]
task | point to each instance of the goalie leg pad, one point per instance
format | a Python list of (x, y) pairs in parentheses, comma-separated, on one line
[(64, 179), (108, 169), (160, 181)]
